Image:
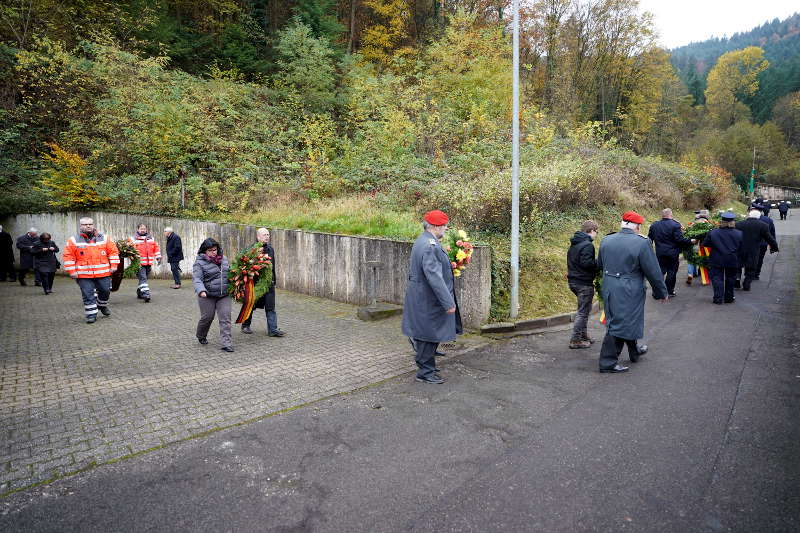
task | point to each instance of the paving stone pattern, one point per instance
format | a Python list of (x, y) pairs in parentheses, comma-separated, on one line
[(73, 395)]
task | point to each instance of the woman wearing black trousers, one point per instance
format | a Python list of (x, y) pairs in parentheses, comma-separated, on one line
[(45, 261)]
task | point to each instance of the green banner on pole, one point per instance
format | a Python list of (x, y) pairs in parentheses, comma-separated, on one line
[(751, 185)]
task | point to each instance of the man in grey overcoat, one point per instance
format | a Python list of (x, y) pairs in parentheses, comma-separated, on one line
[(626, 258), (430, 311)]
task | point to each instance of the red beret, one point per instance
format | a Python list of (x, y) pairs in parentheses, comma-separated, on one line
[(633, 216), (436, 217)]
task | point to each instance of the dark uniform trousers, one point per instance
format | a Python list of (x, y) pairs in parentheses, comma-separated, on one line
[(425, 358), (722, 280), (762, 251), (612, 347), (669, 265)]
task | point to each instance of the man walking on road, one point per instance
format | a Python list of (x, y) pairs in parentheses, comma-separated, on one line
[(267, 302), (762, 250), (754, 232), (430, 310), (581, 271), (725, 243), (174, 255), (669, 239), (149, 254), (626, 259), (25, 245), (783, 209), (89, 258)]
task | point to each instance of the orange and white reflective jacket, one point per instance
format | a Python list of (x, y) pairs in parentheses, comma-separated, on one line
[(95, 257), (148, 249)]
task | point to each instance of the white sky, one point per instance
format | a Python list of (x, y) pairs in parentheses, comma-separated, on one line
[(680, 22)]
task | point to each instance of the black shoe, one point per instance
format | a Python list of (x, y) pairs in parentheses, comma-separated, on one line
[(276, 333), (37, 284), (203, 340), (246, 330), (641, 348), (434, 379), (105, 310), (640, 351), (147, 299), (730, 301), (440, 354), (737, 284), (227, 349), (746, 288), (616, 369), (22, 282), (91, 319), (672, 295), (715, 302), (756, 278)]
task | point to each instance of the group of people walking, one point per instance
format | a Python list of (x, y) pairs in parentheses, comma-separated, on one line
[(627, 258), (91, 258)]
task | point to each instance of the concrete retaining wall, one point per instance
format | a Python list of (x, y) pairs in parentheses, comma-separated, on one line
[(319, 264)]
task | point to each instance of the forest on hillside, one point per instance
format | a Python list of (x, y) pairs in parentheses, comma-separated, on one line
[(221, 106)]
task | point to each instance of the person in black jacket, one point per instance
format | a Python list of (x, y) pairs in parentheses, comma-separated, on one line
[(25, 244), (174, 255), (762, 250), (7, 256), (581, 271), (754, 231), (45, 261), (267, 302), (669, 240), (783, 209), (725, 243)]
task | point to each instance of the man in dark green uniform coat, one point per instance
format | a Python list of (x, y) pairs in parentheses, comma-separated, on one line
[(430, 310), (626, 258)]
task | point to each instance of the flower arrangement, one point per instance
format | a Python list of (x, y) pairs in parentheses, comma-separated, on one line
[(251, 265), (128, 251), (459, 249), (697, 231)]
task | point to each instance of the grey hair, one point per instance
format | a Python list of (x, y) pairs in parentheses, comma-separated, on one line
[(754, 213), (426, 225), (33, 230), (629, 225), (261, 231), (666, 213), (168, 228), (90, 219)]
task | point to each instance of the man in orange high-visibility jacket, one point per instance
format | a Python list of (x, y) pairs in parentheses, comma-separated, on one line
[(90, 258), (149, 253)]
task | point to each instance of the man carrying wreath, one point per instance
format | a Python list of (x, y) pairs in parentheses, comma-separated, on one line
[(430, 310), (267, 302)]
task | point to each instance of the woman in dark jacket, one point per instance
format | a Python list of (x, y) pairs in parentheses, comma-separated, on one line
[(210, 281), (45, 261)]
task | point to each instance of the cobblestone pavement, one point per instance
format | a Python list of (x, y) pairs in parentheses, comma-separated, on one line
[(75, 395)]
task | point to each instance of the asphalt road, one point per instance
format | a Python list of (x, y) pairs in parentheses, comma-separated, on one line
[(702, 434)]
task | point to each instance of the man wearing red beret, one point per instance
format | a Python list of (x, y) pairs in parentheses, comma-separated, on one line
[(626, 259), (430, 310)]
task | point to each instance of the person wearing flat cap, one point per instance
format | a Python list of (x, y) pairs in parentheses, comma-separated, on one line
[(430, 309), (725, 243), (626, 259)]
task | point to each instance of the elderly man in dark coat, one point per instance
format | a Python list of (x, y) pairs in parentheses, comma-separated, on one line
[(754, 232), (174, 255), (25, 244), (266, 302), (430, 311), (626, 258), (669, 241), (7, 256)]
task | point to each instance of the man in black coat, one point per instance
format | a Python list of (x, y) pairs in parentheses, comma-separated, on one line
[(174, 255), (268, 300), (7, 256), (762, 251), (669, 240), (581, 271), (783, 209), (25, 245), (725, 243), (753, 232)]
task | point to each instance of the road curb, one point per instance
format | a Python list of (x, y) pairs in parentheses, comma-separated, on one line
[(535, 324)]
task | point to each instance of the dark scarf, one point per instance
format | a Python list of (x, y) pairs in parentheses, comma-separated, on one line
[(217, 259)]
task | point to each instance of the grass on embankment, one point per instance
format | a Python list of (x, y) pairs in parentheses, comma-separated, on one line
[(543, 244)]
